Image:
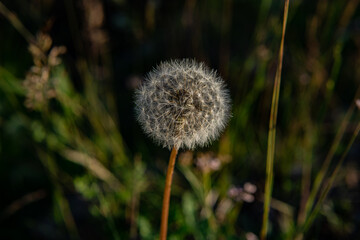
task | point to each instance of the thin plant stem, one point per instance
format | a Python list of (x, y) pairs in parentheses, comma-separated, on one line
[(321, 175), (166, 198), (17, 24), (325, 166), (330, 183), (272, 131)]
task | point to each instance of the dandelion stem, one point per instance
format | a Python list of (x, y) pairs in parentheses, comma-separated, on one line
[(272, 131), (166, 198)]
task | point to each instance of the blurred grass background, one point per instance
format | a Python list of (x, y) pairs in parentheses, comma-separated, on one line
[(74, 163)]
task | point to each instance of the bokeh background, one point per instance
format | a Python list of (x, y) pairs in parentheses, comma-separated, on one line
[(75, 164)]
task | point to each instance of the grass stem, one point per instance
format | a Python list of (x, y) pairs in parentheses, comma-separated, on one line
[(319, 179), (272, 131), (325, 166), (330, 183)]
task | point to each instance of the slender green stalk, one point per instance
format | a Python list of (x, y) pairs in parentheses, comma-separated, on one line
[(166, 198), (17, 24), (272, 130), (347, 15), (321, 174), (329, 184), (325, 166)]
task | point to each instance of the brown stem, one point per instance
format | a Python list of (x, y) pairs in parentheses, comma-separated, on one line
[(166, 198)]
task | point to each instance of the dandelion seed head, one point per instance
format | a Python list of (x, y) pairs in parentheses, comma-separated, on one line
[(183, 104)]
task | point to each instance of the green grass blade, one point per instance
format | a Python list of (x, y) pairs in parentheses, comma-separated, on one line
[(272, 131), (329, 184)]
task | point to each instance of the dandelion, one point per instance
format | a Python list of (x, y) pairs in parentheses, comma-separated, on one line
[(182, 104)]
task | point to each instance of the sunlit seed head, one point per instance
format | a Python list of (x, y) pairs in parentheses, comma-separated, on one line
[(183, 104)]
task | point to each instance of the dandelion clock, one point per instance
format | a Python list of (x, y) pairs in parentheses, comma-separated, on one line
[(182, 104)]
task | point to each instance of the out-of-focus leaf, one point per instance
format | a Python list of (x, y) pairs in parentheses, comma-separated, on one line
[(145, 228), (189, 207), (9, 83), (94, 166)]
